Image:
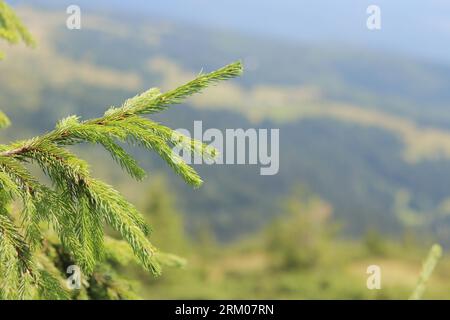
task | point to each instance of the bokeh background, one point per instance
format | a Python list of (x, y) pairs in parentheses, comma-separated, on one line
[(364, 119)]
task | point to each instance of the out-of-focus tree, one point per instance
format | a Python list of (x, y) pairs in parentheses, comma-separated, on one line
[(298, 238)]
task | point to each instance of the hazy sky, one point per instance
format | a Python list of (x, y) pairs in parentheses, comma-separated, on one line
[(414, 27)]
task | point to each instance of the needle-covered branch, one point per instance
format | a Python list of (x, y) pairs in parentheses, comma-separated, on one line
[(11, 28), (77, 206)]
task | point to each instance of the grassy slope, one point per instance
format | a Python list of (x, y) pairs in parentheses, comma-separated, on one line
[(249, 269)]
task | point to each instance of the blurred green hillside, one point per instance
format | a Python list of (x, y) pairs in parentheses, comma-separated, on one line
[(368, 133), (301, 255)]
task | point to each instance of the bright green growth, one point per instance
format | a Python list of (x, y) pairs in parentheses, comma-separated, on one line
[(427, 270), (44, 229), (11, 29)]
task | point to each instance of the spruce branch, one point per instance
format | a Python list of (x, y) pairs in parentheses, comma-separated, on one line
[(77, 206), (11, 28), (124, 124)]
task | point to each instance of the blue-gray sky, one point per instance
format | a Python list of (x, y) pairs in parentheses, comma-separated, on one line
[(419, 28)]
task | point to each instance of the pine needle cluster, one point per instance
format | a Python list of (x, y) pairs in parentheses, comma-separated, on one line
[(11, 28), (45, 227)]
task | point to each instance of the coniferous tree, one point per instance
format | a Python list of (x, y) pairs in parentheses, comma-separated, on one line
[(44, 229)]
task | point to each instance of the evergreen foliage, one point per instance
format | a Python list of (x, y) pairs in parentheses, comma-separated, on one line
[(44, 229), (11, 29)]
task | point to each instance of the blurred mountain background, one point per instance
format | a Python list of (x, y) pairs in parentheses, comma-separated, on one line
[(364, 116)]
